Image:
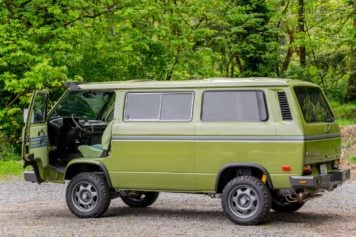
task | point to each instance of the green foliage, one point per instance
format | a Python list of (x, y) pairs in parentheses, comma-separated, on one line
[(10, 167), (352, 159), (7, 151), (45, 43), (345, 113), (250, 38), (330, 35)]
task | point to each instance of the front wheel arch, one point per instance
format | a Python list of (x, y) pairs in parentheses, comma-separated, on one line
[(76, 168)]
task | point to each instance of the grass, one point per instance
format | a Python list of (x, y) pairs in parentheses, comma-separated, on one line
[(10, 167), (345, 113), (345, 122), (352, 159)]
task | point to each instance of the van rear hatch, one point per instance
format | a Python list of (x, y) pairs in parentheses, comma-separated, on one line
[(322, 134), (321, 143)]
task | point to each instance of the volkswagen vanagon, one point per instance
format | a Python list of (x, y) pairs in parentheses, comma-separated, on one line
[(257, 143)]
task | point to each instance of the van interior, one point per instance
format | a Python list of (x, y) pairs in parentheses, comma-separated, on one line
[(79, 119)]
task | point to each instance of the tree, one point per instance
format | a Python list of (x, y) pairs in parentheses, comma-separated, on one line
[(44, 43), (351, 92), (249, 43)]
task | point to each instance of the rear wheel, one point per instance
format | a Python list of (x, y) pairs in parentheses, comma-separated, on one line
[(246, 200), (140, 199), (88, 195)]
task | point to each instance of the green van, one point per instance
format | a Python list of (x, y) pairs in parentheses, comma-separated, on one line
[(257, 143)]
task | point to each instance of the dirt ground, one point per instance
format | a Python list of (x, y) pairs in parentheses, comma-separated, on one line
[(348, 148), (40, 210)]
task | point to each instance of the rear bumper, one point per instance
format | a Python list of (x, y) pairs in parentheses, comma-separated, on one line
[(327, 182)]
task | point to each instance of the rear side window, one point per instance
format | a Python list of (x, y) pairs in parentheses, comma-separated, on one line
[(234, 106), (313, 104), (170, 106)]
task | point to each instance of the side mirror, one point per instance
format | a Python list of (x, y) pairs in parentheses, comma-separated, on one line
[(25, 115)]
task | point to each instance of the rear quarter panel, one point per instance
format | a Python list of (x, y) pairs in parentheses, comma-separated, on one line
[(271, 144)]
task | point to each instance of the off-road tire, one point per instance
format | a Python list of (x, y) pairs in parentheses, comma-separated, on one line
[(144, 199), (88, 195), (246, 200)]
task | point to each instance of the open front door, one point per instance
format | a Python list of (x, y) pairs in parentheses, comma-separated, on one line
[(35, 137)]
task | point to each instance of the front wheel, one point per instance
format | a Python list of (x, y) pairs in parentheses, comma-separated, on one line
[(88, 195), (140, 199), (246, 200)]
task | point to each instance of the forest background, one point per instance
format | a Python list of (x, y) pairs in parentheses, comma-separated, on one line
[(44, 43)]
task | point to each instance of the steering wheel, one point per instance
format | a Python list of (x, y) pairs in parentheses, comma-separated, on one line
[(80, 127)]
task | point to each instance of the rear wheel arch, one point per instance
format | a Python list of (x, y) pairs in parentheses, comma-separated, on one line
[(230, 171), (76, 168)]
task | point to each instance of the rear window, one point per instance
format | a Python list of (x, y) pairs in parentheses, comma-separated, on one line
[(234, 106), (313, 104)]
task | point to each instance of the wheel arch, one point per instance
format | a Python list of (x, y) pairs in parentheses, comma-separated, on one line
[(231, 170), (75, 168)]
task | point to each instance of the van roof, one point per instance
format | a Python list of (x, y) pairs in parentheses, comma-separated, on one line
[(204, 83)]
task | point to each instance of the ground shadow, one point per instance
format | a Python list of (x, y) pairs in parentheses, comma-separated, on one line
[(152, 212)]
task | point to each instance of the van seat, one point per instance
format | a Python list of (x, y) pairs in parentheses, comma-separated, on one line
[(98, 150)]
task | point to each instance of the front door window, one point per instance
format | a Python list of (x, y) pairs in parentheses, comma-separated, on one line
[(39, 109)]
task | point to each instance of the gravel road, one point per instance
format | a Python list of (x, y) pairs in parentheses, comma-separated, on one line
[(40, 210)]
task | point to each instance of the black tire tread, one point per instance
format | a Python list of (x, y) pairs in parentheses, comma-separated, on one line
[(150, 198)]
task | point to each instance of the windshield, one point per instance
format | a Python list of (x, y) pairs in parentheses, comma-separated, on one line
[(313, 104), (84, 104)]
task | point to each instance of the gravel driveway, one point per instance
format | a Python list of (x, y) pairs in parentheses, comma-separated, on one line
[(40, 210)]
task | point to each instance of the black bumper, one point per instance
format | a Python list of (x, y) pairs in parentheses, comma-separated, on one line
[(327, 182)]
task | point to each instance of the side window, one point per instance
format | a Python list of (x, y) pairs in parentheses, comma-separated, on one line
[(142, 106), (234, 106), (39, 109), (174, 106)]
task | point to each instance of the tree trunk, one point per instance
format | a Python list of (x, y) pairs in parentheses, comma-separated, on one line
[(289, 52), (351, 92), (301, 30), (239, 64)]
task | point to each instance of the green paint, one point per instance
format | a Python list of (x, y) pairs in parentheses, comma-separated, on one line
[(189, 156)]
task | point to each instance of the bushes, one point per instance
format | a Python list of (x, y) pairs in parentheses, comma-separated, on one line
[(7, 151), (352, 159), (10, 163)]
